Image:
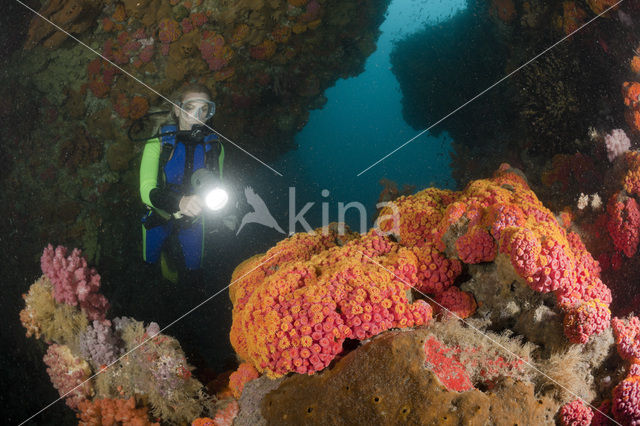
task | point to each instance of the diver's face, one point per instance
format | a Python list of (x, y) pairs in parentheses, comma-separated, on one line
[(194, 110)]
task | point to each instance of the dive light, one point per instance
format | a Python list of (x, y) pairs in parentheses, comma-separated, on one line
[(207, 185)]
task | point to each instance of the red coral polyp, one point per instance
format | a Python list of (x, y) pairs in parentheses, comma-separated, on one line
[(168, 30), (575, 413), (627, 334), (457, 302), (626, 401), (476, 246), (435, 272), (586, 319), (624, 223)]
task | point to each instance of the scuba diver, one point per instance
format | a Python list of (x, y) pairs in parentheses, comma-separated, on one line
[(180, 176)]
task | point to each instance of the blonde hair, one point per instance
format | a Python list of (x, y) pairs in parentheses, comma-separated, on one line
[(191, 88), (179, 95)]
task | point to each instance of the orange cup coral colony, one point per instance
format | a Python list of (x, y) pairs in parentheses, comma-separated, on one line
[(295, 305)]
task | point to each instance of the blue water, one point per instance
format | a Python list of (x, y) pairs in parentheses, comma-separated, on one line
[(362, 122)]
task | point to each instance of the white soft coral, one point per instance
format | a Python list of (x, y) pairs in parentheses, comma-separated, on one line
[(617, 142)]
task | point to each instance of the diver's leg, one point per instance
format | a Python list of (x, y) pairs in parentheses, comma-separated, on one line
[(192, 243), (153, 240)]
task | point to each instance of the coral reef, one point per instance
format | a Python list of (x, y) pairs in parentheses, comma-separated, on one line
[(136, 368), (295, 305), (459, 306), (491, 255), (338, 307), (304, 43)]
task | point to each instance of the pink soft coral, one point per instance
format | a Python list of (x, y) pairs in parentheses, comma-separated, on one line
[(74, 283), (68, 374)]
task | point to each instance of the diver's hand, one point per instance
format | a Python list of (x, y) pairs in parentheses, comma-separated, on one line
[(190, 205)]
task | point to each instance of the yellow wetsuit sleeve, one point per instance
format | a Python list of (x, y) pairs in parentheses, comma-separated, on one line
[(149, 169)]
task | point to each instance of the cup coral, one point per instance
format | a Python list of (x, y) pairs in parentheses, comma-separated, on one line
[(624, 223), (627, 334), (631, 95), (503, 213), (295, 305), (631, 179), (625, 405), (214, 50), (168, 30), (575, 413)]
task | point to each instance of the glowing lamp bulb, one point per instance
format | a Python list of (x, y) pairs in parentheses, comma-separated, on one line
[(216, 199)]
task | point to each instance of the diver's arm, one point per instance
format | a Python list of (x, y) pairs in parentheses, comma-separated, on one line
[(150, 193), (214, 158)]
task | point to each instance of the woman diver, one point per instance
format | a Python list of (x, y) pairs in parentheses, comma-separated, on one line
[(171, 161)]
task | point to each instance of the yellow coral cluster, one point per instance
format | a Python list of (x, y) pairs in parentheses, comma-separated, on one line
[(44, 317), (631, 179)]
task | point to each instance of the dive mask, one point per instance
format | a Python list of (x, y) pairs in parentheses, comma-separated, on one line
[(198, 108)]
